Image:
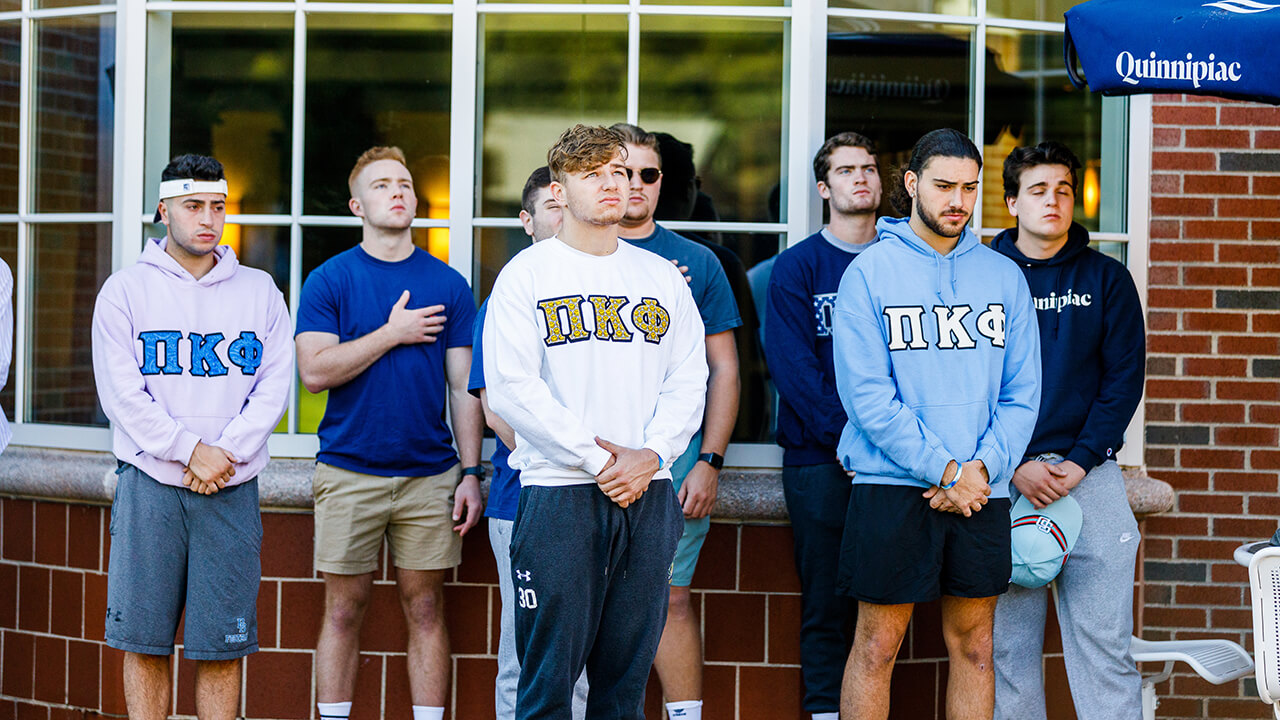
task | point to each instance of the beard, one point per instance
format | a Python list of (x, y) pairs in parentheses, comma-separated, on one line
[(935, 223), (636, 215)]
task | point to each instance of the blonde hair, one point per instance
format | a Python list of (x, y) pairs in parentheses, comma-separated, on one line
[(373, 155), (583, 147)]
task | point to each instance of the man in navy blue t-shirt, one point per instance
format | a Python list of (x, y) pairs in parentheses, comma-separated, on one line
[(386, 329), (797, 346)]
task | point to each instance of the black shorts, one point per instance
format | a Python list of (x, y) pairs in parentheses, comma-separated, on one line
[(897, 549)]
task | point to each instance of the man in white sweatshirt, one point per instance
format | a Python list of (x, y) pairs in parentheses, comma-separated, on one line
[(193, 358), (595, 357)]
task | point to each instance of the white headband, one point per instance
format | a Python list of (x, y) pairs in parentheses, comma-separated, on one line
[(178, 188)]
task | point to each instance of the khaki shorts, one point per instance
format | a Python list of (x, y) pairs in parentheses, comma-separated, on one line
[(354, 511)]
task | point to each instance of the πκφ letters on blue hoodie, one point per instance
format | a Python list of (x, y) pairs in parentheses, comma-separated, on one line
[(937, 358)]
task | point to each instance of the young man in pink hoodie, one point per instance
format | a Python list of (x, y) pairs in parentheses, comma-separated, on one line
[(193, 359)]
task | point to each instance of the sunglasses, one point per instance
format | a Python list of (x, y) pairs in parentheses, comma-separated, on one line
[(648, 175)]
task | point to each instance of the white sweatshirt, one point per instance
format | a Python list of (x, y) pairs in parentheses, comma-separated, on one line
[(179, 360), (578, 346)]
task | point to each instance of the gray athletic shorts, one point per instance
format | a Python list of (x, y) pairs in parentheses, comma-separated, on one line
[(172, 548)]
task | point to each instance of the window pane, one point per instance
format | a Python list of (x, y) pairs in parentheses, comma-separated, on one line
[(1031, 101), (560, 2), (44, 4), (738, 253), (493, 248), (941, 7), (263, 248), (543, 74), (893, 82), (1117, 250), (9, 253), (738, 3), (377, 80), (73, 111), (1047, 10), (229, 95), (10, 74), (717, 84), (70, 263)]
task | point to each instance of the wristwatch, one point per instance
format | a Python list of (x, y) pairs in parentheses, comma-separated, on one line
[(715, 460), (477, 470)]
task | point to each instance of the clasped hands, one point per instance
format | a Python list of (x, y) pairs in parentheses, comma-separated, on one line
[(209, 469), (627, 474), (969, 493)]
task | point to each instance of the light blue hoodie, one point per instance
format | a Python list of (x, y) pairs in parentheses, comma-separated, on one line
[(937, 358)]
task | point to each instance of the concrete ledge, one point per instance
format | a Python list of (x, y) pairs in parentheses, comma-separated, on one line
[(745, 495), (1147, 495)]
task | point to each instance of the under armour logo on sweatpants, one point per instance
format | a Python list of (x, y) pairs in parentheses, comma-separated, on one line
[(525, 575)]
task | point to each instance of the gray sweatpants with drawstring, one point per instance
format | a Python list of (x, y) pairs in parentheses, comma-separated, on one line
[(1095, 611)]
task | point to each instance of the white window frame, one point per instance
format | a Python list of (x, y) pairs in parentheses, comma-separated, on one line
[(803, 132)]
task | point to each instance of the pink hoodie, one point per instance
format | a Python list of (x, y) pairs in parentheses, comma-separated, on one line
[(178, 360)]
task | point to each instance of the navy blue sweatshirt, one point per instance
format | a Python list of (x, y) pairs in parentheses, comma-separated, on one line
[(1092, 348), (797, 347)]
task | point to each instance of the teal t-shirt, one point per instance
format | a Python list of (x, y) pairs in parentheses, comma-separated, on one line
[(711, 291)]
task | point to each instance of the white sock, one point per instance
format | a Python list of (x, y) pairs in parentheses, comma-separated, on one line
[(422, 712), (334, 711), (685, 710), (826, 716)]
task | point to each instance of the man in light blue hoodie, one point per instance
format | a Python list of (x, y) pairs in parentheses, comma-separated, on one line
[(937, 363)]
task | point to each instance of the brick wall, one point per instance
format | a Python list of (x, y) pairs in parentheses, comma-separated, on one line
[(54, 665), (1213, 386)]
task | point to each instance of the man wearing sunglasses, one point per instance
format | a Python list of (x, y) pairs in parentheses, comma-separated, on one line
[(696, 473)]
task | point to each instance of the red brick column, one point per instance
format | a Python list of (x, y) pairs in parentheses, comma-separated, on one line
[(1213, 377)]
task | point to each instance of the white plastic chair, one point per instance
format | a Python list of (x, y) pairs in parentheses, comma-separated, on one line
[(1264, 586), (1218, 661)]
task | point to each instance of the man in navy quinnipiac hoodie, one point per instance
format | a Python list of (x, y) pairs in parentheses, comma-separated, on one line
[(1093, 357)]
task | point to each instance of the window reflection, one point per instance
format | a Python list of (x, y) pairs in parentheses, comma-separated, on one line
[(73, 112), (542, 74), (493, 247), (717, 84), (377, 80), (46, 4), (1046, 10), (1043, 105), (70, 263), (893, 82), (10, 75), (229, 95), (940, 7), (263, 248)]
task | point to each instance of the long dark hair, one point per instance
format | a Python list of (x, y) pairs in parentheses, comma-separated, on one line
[(943, 141)]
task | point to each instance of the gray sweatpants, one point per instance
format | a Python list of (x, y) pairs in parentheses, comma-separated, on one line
[(1095, 611), (504, 691)]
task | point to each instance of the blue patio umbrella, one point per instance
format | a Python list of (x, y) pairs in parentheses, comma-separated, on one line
[(1224, 48)]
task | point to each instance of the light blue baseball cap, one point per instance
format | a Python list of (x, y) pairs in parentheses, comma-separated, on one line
[(1042, 539)]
